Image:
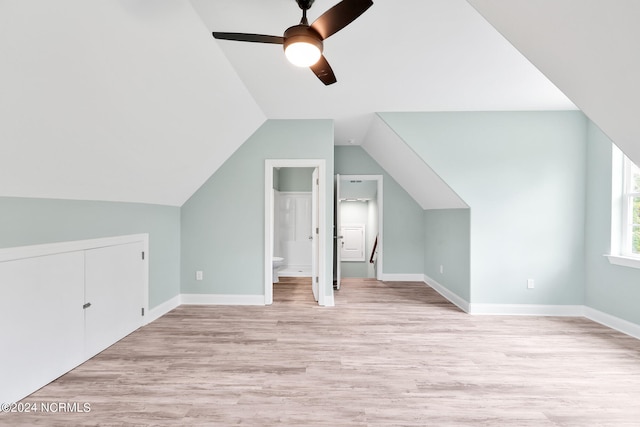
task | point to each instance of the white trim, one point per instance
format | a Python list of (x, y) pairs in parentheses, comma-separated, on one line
[(219, 299), (624, 261), (270, 164), (380, 201), (452, 297), (160, 310), (612, 322), (398, 277), (526, 310), (21, 252)]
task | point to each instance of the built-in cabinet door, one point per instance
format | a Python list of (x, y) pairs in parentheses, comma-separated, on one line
[(114, 295), (41, 315)]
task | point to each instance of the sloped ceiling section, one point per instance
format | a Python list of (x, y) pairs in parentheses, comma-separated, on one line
[(408, 169), (588, 49), (409, 55), (120, 100)]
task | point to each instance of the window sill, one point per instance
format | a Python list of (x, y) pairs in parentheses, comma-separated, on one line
[(624, 261)]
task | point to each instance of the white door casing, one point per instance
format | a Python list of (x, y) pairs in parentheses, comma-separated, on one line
[(314, 232), (338, 236), (270, 165), (380, 234)]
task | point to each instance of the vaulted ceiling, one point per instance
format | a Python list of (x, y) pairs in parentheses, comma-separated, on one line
[(133, 100)]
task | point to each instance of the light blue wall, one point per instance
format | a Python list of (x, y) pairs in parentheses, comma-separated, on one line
[(295, 179), (403, 223), (610, 288), (523, 176), (223, 222), (447, 244), (27, 221)]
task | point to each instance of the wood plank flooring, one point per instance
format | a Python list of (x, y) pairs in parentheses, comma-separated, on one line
[(388, 354)]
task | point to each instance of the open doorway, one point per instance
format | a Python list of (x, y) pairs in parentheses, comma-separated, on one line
[(293, 213), (295, 223), (358, 219)]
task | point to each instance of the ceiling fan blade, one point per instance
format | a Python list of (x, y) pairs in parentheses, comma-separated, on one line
[(243, 37), (323, 71), (339, 16)]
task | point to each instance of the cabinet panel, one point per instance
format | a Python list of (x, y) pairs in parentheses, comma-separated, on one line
[(114, 278), (42, 321)]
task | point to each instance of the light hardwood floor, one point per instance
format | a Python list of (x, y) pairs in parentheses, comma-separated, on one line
[(388, 354)]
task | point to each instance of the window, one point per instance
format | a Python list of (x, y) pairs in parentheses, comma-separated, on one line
[(631, 210), (625, 211)]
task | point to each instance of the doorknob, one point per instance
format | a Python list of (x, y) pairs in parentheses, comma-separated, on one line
[(310, 237)]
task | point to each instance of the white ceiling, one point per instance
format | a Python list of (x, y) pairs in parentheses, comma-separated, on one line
[(118, 100), (409, 55), (133, 100)]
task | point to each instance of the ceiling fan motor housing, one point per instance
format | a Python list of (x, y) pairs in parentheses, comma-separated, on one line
[(302, 34), (305, 4)]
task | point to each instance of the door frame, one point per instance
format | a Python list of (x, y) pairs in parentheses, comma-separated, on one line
[(380, 201), (270, 165)]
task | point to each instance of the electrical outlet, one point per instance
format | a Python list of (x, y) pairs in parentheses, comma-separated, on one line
[(530, 284), (441, 269), (199, 275)]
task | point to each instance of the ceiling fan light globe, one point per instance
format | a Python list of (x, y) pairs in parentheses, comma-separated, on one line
[(302, 54)]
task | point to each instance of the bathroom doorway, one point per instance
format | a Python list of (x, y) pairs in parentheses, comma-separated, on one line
[(292, 217), (358, 230), (295, 223)]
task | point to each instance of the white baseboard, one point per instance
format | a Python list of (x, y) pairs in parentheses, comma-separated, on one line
[(452, 297), (526, 310), (160, 310), (592, 314), (403, 277), (612, 322), (215, 299)]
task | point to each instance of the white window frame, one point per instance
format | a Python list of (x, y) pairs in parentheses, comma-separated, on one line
[(627, 209), (621, 212)]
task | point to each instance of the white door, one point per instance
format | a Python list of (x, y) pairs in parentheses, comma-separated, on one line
[(353, 242), (114, 288), (338, 236), (314, 233), (42, 319)]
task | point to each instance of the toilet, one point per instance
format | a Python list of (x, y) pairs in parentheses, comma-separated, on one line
[(278, 262)]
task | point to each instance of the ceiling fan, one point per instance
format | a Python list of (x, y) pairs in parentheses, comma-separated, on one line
[(303, 43)]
